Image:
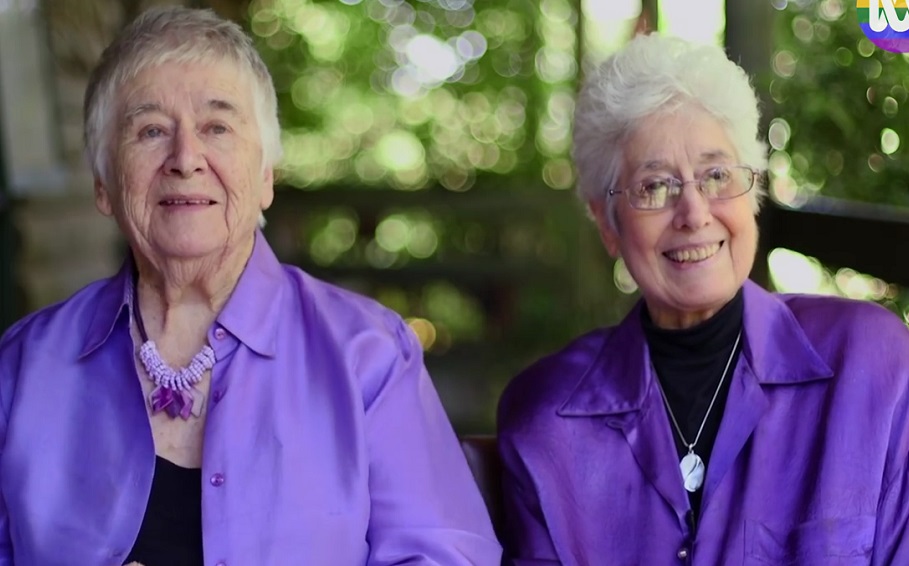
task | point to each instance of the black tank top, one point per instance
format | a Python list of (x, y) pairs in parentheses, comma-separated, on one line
[(171, 532)]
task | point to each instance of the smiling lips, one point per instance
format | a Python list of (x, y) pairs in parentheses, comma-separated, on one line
[(695, 254), (186, 202)]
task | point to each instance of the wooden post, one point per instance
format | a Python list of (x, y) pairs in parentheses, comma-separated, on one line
[(650, 16), (236, 10), (9, 305), (749, 42)]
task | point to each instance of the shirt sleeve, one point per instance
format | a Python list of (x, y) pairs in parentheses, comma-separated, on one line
[(425, 506), (6, 544), (527, 540), (891, 535)]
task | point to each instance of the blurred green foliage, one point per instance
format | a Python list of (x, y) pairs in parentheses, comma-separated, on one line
[(414, 93), (841, 104), (841, 130)]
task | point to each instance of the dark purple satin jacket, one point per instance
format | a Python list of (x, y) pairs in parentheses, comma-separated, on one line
[(809, 465)]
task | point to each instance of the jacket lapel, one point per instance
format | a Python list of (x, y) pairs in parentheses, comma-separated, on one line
[(744, 407), (650, 439), (776, 353), (619, 388)]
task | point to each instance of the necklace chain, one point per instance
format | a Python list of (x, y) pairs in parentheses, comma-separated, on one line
[(716, 393)]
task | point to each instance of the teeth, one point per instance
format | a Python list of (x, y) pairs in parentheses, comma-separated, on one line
[(693, 254)]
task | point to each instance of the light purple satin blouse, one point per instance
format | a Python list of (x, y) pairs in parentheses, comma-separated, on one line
[(325, 442), (809, 466)]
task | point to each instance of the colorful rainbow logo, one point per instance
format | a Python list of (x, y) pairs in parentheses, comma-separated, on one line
[(885, 23)]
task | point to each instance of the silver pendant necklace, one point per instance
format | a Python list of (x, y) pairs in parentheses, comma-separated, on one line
[(692, 466)]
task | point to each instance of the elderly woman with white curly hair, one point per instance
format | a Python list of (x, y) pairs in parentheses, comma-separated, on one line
[(209, 405), (717, 424)]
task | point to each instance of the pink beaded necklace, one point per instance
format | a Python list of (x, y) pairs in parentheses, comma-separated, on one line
[(175, 391)]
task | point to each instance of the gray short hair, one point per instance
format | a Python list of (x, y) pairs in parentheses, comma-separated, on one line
[(181, 35), (654, 74)]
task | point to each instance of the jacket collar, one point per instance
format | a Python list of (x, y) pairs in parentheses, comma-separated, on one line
[(112, 301), (250, 314), (253, 310), (620, 376)]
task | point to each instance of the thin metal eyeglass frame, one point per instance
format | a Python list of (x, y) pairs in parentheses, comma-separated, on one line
[(670, 203)]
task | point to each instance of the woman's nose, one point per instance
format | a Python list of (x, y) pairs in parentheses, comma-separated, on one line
[(187, 154), (692, 211)]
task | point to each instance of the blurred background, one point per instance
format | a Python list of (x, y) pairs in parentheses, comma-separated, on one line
[(427, 160)]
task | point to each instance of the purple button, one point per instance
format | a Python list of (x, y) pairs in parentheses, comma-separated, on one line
[(216, 396), (220, 333), (217, 480), (222, 563)]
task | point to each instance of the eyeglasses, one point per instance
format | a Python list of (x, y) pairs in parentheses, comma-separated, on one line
[(717, 183)]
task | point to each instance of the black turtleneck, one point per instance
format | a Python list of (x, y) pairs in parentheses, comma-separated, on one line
[(689, 364)]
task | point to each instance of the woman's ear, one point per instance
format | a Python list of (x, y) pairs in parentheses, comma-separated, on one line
[(608, 233), (267, 196), (102, 198)]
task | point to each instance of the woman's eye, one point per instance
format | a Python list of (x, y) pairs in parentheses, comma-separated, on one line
[(151, 132), (218, 129), (720, 175), (655, 186)]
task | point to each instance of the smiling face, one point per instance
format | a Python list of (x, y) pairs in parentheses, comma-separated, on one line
[(187, 175), (691, 259)]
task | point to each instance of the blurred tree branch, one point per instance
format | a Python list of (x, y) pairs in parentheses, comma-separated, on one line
[(78, 31)]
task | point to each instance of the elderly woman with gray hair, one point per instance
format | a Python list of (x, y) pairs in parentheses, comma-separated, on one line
[(208, 405), (717, 424)]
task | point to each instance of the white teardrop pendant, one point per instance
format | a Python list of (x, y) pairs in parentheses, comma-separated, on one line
[(693, 469)]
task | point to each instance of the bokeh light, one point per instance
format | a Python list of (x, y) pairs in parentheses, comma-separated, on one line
[(701, 21), (415, 94)]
